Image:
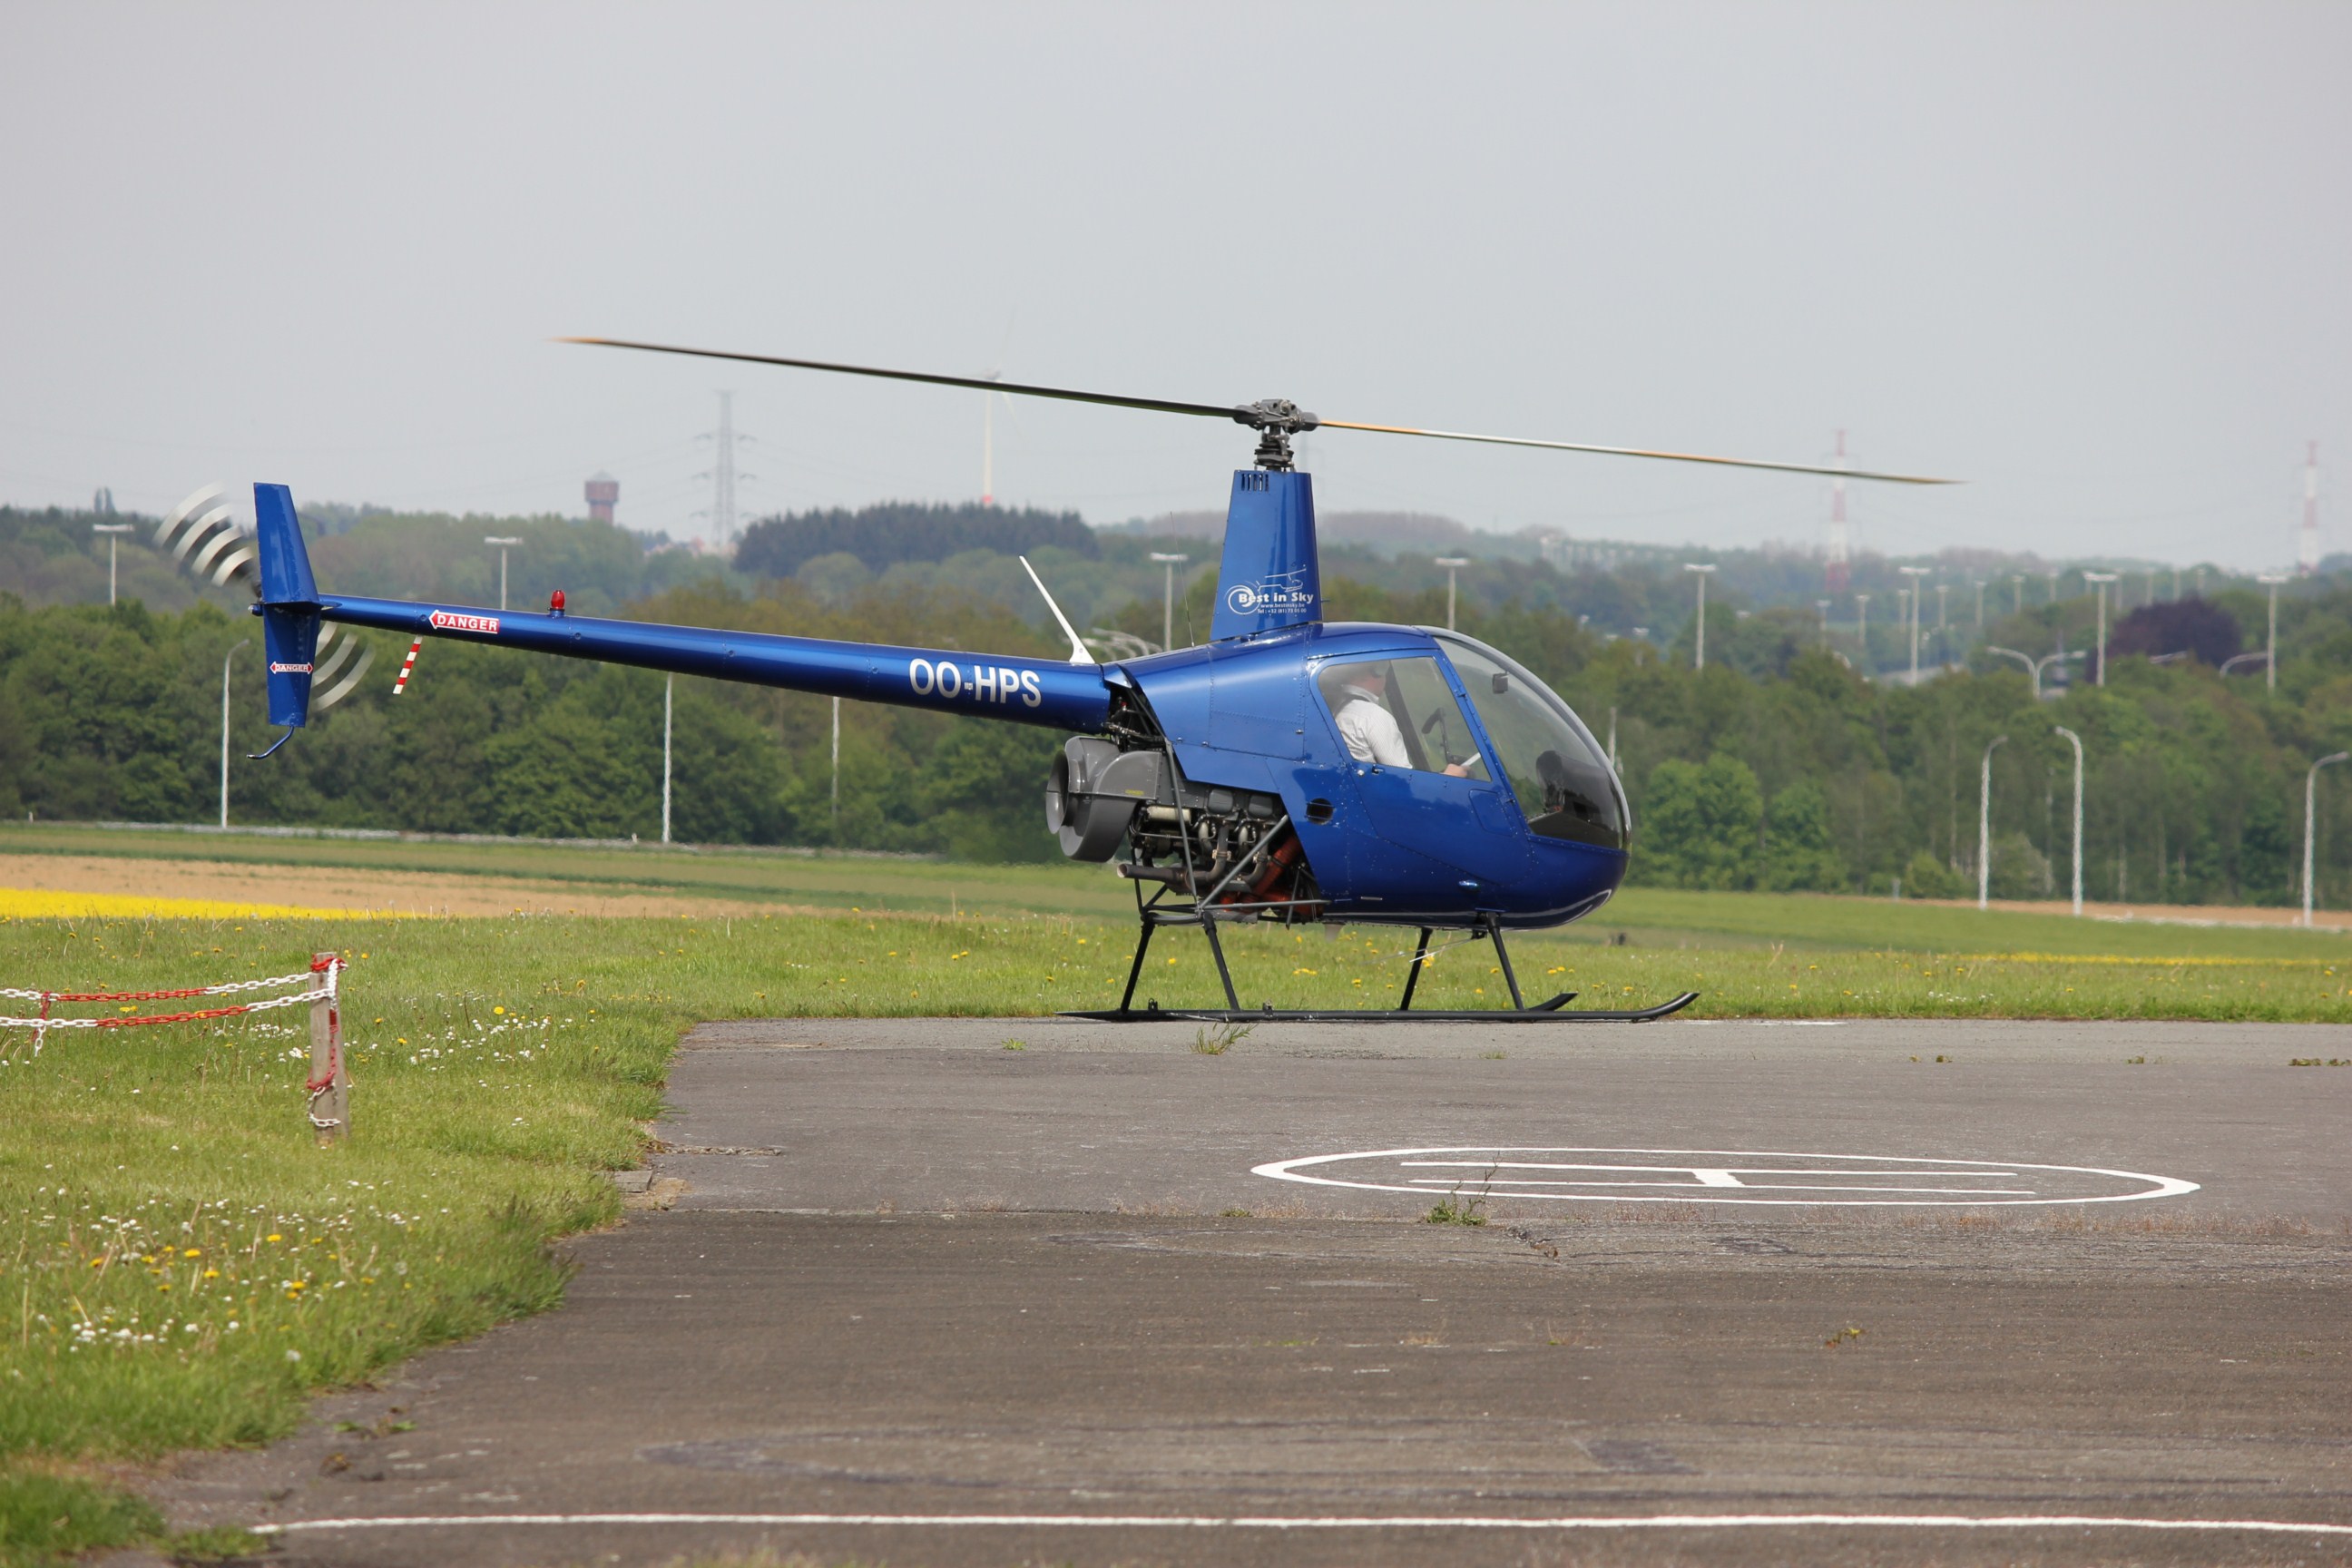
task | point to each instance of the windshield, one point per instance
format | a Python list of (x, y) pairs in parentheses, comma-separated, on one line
[(1554, 767)]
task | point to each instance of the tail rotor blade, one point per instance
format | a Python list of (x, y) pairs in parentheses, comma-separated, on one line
[(196, 502), (214, 518), (351, 681)]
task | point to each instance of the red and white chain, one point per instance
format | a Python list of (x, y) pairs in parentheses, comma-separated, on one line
[(44, 1024)]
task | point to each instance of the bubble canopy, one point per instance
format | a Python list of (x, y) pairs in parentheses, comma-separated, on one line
[(1554, 767)]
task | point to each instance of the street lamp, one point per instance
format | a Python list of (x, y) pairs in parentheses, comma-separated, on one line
[(1984, 826), (669, 691), (1943, 619), (1702, 573), (223, 771), (2033, 667), (2310, 818), (1452, 565), (2078, 812), (1862, 630), (2103, 579), (1914, 574), (1823, 607), (504, 544), (2270, 675), (114, 532), (1168, 597)]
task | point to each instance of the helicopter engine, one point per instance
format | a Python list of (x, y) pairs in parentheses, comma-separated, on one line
[(1094, 792), (1226, 847)]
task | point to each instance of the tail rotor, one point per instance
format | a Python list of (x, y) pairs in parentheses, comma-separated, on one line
[(207, 540)]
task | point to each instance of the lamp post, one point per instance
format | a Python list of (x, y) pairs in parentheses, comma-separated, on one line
[(2078, 813), (1943, 619), (1914, 574), (2033, 667), (1862, 630), (2270, 674), (223, 771), (114, 532), (1823, 607), (504, 545), (1168, 597), (2102, 579), (2310, 819), (669, 692), (1984, 826), (1701, 572), (1452, 565)]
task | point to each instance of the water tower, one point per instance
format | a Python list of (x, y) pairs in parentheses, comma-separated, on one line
[(604, 490)]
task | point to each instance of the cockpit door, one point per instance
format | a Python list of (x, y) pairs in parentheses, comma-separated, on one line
[(1435, 818)]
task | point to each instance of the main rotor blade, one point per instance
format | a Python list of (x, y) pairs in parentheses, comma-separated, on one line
[(1640, 452), (978, 383)]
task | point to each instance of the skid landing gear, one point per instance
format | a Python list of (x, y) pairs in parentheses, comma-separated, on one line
[(1556, 1010)]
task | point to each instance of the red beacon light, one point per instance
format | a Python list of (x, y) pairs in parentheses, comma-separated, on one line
[(555, 603)]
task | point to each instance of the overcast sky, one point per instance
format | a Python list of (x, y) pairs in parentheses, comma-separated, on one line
[(2094, 259)]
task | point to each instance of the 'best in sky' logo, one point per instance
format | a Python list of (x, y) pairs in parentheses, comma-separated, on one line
[(1273, 594)]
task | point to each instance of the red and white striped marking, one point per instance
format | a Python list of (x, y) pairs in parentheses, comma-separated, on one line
[(399, 682)]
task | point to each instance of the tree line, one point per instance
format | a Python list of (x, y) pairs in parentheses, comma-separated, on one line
[(1776, 766)]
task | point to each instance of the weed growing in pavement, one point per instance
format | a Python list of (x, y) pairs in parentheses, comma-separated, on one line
[(1216, 1041)]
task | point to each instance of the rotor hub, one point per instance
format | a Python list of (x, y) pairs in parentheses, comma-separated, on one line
[(1277, 420)]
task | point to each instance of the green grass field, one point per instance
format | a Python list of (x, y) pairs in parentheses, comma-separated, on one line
[(186, 1266)]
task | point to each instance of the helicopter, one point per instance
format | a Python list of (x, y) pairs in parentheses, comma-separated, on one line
[(1290, 770)]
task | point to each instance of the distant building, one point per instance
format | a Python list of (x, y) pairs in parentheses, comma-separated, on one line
[(603, 492)]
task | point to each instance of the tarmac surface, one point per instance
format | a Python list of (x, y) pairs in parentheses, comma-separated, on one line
[(1861, 1293)]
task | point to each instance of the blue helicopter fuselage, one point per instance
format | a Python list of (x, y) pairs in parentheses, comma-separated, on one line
[(1430, 779)]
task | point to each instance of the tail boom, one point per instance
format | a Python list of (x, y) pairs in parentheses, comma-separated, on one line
[(1046, 692)]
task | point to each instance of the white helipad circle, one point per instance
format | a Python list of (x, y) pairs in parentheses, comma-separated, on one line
[(1720, 1176)]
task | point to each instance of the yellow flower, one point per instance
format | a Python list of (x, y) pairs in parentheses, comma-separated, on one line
[(194, 1252), (273, 1235), (497, 1009)]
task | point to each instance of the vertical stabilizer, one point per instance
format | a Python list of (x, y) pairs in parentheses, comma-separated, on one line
[(1270, 577), (289, 604)]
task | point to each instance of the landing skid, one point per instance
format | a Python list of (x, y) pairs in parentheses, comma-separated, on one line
[(1549, 1012), (1554, 1011)]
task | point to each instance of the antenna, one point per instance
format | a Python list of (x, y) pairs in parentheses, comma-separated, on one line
[(722, 475), (1078, 654), (2307, 557)]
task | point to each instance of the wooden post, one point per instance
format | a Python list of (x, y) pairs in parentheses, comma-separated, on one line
[(330, 1079)]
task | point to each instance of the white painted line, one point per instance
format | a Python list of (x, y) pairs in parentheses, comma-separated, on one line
[(1715, 1174), (1370, 1522), (1728, 1169), (1512, 1183)]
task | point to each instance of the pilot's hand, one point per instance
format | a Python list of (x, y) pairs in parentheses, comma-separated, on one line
[(1456, 771)]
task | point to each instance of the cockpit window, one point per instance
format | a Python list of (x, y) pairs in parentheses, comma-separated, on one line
[(1561, 780), (1400, 713)]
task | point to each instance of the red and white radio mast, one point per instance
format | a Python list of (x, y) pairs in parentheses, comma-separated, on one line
[(1836, 571)]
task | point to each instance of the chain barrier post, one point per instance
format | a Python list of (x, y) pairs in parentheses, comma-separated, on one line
[(329, 1084)]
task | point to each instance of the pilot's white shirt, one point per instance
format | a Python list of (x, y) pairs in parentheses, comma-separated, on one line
[(1370, 733)]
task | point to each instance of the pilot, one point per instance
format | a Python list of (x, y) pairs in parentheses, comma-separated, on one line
[(1368, 729)]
